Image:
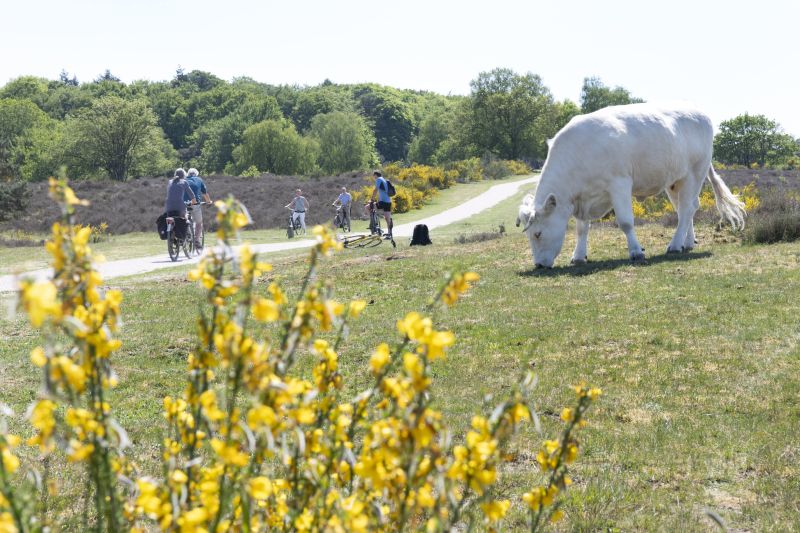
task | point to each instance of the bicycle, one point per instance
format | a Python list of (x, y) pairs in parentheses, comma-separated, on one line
[(340, 221), (374, 220), (293, 226), (174, 241), (362, 241)]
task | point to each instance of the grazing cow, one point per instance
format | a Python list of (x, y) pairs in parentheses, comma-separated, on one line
[(600, 161)]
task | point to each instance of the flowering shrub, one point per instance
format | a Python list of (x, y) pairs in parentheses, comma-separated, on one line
[(466, 170), (251, 445), (654, 208), (97, 233)]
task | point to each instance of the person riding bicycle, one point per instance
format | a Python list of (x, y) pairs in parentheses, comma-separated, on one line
[(299, 206), (345, 201), (199, 190), (177, 188), (384, 205)]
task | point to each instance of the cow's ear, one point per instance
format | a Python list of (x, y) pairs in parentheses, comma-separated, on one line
[(549, 203)]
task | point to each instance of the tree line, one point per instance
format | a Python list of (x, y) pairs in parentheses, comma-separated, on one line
[(107, 128)]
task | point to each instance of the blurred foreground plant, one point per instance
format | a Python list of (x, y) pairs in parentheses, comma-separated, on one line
[(251, 444)]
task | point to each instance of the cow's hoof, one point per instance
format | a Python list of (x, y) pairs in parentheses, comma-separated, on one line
[(675, 250), (637, 257), (579, 261), (687, 249)]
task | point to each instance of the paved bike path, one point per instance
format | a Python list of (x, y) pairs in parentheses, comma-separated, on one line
[(141, 265)]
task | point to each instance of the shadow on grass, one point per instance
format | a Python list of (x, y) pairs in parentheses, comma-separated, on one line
[(598, 266)]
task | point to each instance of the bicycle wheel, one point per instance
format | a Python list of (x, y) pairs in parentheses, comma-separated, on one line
[(172, 245), (188, 241), (290, 230)]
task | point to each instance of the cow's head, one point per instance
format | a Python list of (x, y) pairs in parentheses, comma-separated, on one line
[(545, 226)]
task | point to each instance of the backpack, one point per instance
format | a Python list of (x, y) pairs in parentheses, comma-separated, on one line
[(390, 190), (420, 236)]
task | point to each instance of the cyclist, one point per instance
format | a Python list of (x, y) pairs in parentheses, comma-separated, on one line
[(199, 190), (299, 206), (344, 200), (384, 206), (177, 188)]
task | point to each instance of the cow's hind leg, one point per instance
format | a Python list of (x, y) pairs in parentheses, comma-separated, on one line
[(684, 196), (581, 254), (622, 200)]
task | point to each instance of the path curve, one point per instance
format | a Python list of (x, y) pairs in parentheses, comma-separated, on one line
[(141, 265)]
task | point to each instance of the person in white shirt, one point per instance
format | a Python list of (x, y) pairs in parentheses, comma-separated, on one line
[(299, 206)]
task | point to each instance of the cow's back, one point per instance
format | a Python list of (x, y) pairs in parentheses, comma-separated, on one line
[(653, 145)]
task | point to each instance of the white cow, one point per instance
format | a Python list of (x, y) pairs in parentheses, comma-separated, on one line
[(600, 161)]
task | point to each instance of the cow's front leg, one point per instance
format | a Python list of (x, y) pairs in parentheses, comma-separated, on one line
[(581, 253), (622, 200)]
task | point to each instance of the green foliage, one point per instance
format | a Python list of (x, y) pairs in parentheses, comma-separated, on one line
[(319, 101), (14, 198), (43, 153), (509, 114), (26, 88), (434, 130), (390, 117), (749, 139), (17, 119), (275, 146), (117, 137), (595, 95), (465, 170), (345, 142)]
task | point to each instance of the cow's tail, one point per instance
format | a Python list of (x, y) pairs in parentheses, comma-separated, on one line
[(728, 204)]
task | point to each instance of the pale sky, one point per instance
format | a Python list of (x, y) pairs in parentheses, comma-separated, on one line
[(728, 57)]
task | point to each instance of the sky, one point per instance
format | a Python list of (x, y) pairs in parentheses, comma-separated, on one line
[(727, 57)]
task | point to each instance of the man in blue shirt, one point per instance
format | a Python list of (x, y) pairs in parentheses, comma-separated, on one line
[(381, 192), (198, 187)]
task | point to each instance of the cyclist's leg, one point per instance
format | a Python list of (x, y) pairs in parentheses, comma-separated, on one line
[(197, 214), (346, 216), (302, 217)]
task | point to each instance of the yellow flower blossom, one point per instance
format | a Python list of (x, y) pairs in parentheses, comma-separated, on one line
[(380, 358), (260, 488), (495, 510), (356, 307), (40, 302)]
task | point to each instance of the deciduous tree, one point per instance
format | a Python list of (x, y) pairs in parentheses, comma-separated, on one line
[(345, 142), (117, 136), (749, 139), (595, 95)]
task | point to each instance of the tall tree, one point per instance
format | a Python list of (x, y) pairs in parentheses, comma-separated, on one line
[(117, 136), (509, 113), (390, 117), (595, 95), (17, 119), (345, 142), (749, 139), (275, 146)]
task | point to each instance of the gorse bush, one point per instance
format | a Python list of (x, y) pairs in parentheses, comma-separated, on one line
[(659, 208), (418, 184), (251, 444)]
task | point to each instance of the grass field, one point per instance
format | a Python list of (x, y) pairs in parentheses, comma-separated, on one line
[(139, 244), (697, 356)]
